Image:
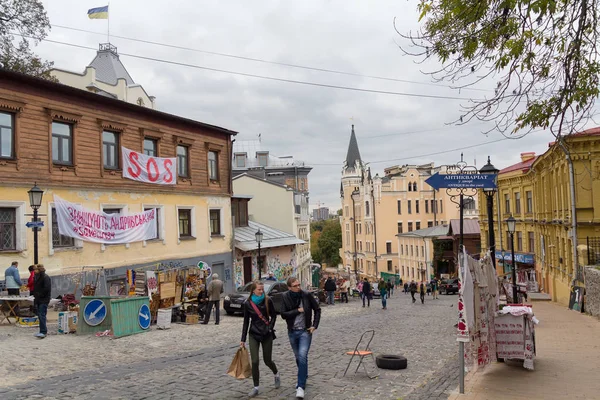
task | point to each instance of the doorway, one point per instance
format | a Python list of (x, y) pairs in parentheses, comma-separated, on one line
[(247, 270)]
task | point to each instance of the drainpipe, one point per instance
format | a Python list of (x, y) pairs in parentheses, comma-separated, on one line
[(576, 273), (375, 230), (230, 145)]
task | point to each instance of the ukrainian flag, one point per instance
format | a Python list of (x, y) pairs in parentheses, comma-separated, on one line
[(98, 13)]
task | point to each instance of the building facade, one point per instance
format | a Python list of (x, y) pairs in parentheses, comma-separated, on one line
[(321, 214), (106, 75), (537, 193), (279, 187), (69, 142), (376, 209)]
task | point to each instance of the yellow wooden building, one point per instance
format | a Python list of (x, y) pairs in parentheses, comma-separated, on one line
[(537, 193)]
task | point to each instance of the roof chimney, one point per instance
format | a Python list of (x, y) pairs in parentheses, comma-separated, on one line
[(527, 156)]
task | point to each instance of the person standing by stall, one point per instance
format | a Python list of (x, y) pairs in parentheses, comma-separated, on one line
[(215, 288), (31, 279), (42, 289), (366, 292), (344, 290), (260, 316), (12, 279), (330, 287)]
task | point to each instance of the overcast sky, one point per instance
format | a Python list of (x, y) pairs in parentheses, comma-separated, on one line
[(311, 123)]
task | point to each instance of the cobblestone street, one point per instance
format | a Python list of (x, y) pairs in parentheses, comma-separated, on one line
[(190, 361)]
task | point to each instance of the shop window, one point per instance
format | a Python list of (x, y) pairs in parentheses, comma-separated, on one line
[(215, 222), (183, 156), (150, 147), (59, 240), (110, 149), (8, 229), (213, 165), (62, 143), (7, 135)]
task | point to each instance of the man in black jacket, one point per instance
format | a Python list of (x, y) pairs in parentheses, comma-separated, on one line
[(42, 288), (330, 287), (366, 290), (297, 310)]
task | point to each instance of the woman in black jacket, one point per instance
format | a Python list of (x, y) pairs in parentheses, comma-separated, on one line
[(259, 313)]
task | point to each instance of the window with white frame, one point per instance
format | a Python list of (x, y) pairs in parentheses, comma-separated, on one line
[(156, 220), (7, 135), (186, 223), (213, 166), (8, 228), (58, 240), (215, 222)]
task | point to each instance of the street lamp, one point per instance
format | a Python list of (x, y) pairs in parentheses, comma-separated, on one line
[(35, 202), (259, 238), (355, 267), (489, 194), (512, 224)]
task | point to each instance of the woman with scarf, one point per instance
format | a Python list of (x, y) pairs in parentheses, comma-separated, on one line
[(260, 315)]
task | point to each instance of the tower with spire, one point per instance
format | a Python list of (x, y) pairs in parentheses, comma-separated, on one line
[(358, 215)]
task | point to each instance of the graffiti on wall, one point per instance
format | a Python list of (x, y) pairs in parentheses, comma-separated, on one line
[(281, 266)]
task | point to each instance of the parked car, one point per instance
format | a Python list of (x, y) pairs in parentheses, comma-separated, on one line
[(449, 286), (234, 302)]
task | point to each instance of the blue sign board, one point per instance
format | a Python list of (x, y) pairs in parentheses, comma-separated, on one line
[(462, 181), (519, 257), (94, 312), (36, 224), (144, 316)]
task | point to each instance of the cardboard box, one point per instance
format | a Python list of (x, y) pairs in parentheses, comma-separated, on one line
[(191, 318), (67, 322)]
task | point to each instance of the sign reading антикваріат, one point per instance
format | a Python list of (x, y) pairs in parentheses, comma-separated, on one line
[(462, 181), (95, 226)]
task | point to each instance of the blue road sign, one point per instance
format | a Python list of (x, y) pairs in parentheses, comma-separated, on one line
[(36, 224), (144, 316), (462, 181), (94, 312)]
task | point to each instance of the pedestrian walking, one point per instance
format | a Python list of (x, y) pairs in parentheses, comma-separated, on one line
[(383, 292), (366, 293), (390, 288), (330, 289), (260, 316), (42, 289), (345, 289), (422, 292), (215, 288), (413, 290), (405, 287), (434, 288), (302, 315)]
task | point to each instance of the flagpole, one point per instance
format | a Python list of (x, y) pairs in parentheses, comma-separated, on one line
[(108, 19)]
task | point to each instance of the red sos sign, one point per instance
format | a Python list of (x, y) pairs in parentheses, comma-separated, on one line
[(143, 168)]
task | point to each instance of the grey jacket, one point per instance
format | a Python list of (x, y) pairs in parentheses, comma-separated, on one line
[(215, 288)]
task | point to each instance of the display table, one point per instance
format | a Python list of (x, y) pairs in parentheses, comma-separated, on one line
[(11, 303), (515, 334)]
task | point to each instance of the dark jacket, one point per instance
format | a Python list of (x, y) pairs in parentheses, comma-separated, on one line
[(42, 288), (309, 304), (366, 288), (413, 287), (330, 285), (258, 329)]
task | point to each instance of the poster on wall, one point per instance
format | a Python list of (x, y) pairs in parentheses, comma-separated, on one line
[(149, 169), (576, 298), (95, 226)]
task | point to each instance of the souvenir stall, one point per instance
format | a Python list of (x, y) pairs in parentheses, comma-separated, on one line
[(490, 330)]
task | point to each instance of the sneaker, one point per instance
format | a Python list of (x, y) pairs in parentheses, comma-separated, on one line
[(253, 392), (300, 393), (277, 381), (40, 335)]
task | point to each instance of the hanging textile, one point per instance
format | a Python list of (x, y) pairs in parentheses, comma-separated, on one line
[(465, 299)]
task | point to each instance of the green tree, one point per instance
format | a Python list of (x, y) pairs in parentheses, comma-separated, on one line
[(330, 242), (27, 20), (541, 55), (315, 251)]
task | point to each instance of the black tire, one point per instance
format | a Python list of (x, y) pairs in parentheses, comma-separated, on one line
[(390, 361)]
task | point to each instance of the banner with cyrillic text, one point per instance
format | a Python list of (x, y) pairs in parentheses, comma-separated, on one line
[(95, 226), (149, 169)]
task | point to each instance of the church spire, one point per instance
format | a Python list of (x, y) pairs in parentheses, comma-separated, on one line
[(353, 153)]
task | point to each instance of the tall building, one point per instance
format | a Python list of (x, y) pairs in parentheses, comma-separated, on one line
[(537, 193), (279, 188), (376, 209), (107, 76), (320, 214)]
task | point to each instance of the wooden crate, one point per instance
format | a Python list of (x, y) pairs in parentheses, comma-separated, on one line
[(191, 318), (167, 290)]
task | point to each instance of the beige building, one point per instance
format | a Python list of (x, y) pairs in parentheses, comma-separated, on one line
[(107, 76), (416, 252), (376, 209), (273, 205)]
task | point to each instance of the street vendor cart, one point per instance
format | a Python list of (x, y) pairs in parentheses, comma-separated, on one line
[(515, 334)]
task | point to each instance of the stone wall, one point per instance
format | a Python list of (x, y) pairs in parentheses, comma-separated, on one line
[(592, 285)]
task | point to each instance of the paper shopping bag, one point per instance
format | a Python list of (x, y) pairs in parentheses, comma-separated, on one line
[(240, 367)]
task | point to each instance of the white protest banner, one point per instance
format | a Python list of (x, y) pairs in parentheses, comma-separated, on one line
[(143, 168), (96, 226)]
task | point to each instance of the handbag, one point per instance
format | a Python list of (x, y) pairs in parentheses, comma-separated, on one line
[(240, 367), (263, 319)]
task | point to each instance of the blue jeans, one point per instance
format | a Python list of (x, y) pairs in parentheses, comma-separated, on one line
[(42, 310), (300, 341), (384, 300), (330, 297)]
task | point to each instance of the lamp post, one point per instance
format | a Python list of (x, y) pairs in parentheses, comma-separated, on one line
[(35, 201), (259, 238), (511, 222), (355, 267), (489, 194)]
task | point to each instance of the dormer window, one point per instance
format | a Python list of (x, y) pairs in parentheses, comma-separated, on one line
[(240, 160), (263, 158)]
